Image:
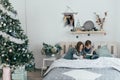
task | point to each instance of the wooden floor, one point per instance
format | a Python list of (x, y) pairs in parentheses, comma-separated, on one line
[(34, 75)]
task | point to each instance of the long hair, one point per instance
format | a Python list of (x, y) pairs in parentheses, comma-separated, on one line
[(78, 45)]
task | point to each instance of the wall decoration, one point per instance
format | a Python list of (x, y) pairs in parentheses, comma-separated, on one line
[(69, 17), (78, 24), (88, 25), (100, 21)]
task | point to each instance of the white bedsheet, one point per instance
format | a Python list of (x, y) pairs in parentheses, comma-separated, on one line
[(102, 62), (82, 75)]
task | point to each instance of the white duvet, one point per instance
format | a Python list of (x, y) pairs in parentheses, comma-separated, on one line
[(81, 75), (102, 62)]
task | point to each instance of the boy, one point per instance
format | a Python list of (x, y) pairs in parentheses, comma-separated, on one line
[(89, 51)]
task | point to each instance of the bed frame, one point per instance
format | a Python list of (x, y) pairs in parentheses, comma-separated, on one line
[(112, 46)]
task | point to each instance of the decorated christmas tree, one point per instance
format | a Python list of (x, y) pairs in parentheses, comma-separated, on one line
[(13, 41)]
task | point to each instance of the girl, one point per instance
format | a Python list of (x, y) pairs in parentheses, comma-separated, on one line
[(79, 54), (75, 53)]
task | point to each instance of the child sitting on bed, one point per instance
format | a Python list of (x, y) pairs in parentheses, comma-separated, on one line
[(75, 53), (89, 51), (79, 54)]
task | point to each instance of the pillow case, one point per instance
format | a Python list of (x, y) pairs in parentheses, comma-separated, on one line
[(103, 51)]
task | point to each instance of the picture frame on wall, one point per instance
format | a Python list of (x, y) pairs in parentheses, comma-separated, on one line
[(68, 19)]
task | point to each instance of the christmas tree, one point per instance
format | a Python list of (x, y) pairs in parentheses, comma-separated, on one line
[(13, 41)]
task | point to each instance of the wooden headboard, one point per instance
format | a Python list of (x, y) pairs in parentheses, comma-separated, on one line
[(112, 46)]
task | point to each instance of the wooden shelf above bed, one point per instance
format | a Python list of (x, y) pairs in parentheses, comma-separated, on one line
[(89, 32)]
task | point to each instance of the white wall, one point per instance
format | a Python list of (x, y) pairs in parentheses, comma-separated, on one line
[(19, 6), (118, 20), (45, 21)]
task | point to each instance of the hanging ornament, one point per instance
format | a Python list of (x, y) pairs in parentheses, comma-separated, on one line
[(1, 22), (7, 59), (4, 24), (24, 55), (13, 22), (14, 58), (4, 44), (10, 20), (10, 23), (19, 49), (11, 43), (28, 55), (10, 31), (10, 50), (6, 29), (23, 49), (2, 55)]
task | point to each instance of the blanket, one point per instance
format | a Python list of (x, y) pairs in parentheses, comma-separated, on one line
[(102, 62)]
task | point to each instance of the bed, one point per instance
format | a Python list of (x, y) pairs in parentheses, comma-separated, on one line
[(103, 68)]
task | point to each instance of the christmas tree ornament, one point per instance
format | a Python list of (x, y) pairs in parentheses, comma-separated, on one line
[(6, 30), (2, 55), (14, 58), (11, 43), (4, 24), (13, 22), (23, 49), (4, 44), (28, 55), (7, 59), (10, 31), (23, 55), (19, 49), (10, 50), (10, 23), (1, 22)]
